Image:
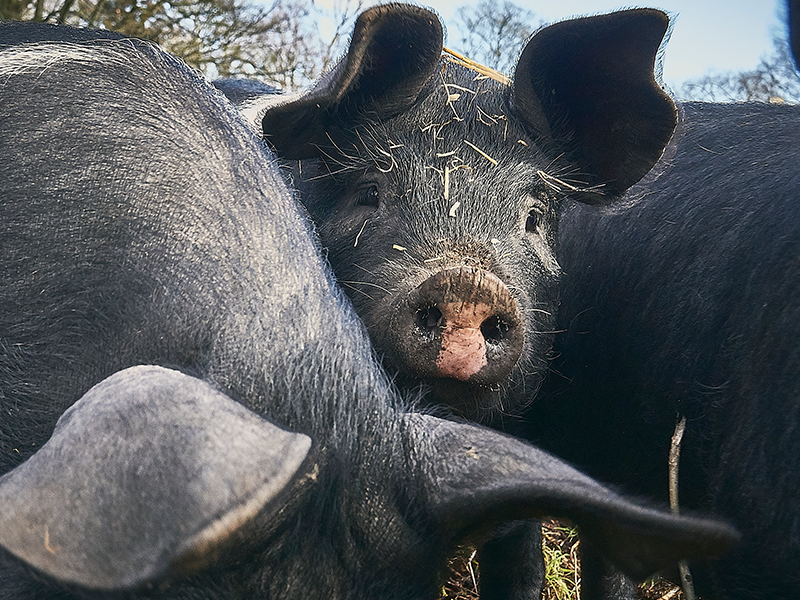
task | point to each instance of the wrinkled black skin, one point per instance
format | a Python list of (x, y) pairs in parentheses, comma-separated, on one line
[(687, 304), (385, 189)]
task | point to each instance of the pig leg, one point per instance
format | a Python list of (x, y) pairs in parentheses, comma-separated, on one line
[(511, 563), (600, 580)]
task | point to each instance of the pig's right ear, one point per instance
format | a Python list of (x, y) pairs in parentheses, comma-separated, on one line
[(586, 89), (152, 474), (393, 52)]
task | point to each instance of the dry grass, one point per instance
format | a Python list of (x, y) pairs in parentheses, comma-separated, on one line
[(562, 576), (460, 585), (660, 589), (562, 571)]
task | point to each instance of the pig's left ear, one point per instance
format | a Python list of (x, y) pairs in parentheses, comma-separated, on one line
[(586, 88), (152, 474), (392, 54)]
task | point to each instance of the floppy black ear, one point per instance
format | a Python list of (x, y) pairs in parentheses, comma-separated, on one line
[(479, 478), (393, 52), (587, 87), (151, 473)]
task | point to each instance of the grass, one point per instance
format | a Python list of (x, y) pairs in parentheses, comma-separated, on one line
[(460, 585), (562, 571), (561, 568)]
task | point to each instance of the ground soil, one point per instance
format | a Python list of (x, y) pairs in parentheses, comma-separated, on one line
[(560, 548)]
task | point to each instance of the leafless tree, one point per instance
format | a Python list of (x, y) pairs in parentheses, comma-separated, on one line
[(278, 43), (493, 33), (343, 15), (775, 79)]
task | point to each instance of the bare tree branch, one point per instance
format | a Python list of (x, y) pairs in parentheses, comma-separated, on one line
[(494, 33), (278, 43), (775, 79)]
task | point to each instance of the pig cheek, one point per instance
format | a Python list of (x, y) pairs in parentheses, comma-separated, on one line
[(462, 354)]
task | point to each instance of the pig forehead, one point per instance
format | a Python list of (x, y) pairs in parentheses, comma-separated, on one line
[(463, 118), (455, 84)]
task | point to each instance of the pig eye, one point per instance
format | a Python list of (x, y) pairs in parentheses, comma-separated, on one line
[(369, 196), (533, 221)]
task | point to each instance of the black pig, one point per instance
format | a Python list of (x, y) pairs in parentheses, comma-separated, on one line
[(437, 199), (689, 304), (162, 296), (436, 194)]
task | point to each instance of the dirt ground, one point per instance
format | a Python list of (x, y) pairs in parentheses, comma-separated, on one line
[(562, 571)]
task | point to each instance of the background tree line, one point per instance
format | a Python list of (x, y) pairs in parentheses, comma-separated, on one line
[(277, 43), (281, 43), (493, 33)]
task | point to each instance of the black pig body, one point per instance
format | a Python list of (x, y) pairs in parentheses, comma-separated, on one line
[(162, 297), (687, 305), (437, 197)]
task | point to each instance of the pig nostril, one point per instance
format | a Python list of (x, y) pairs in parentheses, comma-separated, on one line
[(494, 330), (429, 318)]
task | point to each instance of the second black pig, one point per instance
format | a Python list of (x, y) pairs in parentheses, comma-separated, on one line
[(437, 196)]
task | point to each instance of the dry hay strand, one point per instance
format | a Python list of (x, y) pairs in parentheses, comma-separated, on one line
[(481, 152), (462, 60), (460, 583), (659, 589)]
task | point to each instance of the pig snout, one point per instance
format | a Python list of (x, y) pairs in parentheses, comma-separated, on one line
[(460, 323)]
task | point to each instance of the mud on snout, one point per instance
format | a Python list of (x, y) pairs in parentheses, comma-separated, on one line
[(460, 323)]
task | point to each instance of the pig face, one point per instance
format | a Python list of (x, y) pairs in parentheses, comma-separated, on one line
[(438, 217)]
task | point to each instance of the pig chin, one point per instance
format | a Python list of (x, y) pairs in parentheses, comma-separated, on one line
[(465, 399), (471, 401)]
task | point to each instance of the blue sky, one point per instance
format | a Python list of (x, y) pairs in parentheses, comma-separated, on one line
[(707, 34)]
